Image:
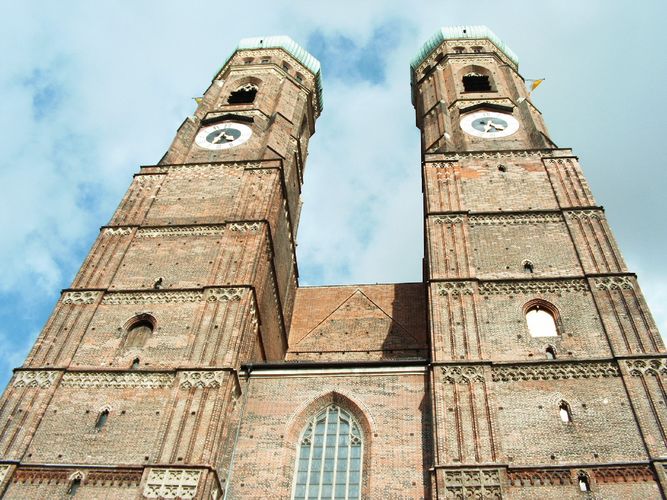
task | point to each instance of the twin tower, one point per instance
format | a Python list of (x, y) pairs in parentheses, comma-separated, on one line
[(186, 362)]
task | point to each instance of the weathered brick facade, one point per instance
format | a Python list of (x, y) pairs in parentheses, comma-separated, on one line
[(185, 361)]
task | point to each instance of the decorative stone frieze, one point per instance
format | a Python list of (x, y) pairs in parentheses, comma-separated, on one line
[(80, 298), (223, 294), (490, 155), (613, 283), (172, 483), (482, 484), (554, 371), (584, 214), (118, 380), (181, 231), (539, 477), (464, 103), (448, 219), (462, 374), (532, 287), (514, 219), (36, 378), (626, 474), (152, 297), (116, 231), (201, 379), (243, 227), (455, 288), (651, 367)]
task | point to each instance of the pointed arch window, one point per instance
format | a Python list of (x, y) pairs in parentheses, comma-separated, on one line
[(329, 459), (541, 318), (564, 412), (139, 331)]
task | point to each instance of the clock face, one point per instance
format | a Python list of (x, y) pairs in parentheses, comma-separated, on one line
[(223, 135), (489, 124)]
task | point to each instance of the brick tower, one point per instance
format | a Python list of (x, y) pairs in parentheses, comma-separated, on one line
[(185, 362), (547, 369), (132, 386)]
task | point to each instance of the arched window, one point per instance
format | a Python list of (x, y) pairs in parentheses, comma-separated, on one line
[(135, 364), (541, 319), (139, 331), (329, 459), (584, 482), (528, 267), (101, 420), (243, 95), (564, 412), (476, 82)]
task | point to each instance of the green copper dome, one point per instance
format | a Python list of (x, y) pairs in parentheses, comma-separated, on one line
[(458, 33), (292, 48)]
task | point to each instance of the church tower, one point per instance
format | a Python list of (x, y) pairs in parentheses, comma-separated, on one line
[(132, 388), (547, 370), (186, 362)]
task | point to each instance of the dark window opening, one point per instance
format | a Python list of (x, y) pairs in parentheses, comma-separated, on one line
[(101, 420), (74, 486), (584, 482), (135, 364), (528, 267), (502, 168), (474, 82), (564, 411), (244, 95), (551, 352)]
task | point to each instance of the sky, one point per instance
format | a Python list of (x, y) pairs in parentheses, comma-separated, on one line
[(91, 90)]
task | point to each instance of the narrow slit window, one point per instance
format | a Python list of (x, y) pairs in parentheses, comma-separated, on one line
[(564, 412), (135, 364), (74, 486), (101, 420), (243, 95), (584, 482), (329, 459), (475, 82)]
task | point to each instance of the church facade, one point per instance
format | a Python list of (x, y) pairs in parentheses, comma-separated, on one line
[(185, 361)]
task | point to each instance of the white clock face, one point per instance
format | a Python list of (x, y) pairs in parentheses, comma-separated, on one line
[(489, 124), (223, 135)]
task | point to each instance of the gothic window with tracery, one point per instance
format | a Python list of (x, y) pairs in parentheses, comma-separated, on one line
[(329, 457)]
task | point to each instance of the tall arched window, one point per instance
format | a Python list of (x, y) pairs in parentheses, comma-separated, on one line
[(329, 457), (541, 319), (139, 331)]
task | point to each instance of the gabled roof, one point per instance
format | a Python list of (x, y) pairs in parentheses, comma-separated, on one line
[(458, 33)]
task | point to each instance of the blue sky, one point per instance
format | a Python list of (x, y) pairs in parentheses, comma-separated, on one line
[(90, 91)]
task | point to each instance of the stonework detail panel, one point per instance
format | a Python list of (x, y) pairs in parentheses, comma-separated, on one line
[(117, 380), (201, 379), (540, 477), (156, 232), (456, 331), (443, 187), (449, 244), (37, 378), (80, 298), (482, 484), (514, 219), (172, 483), (555, 371)]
